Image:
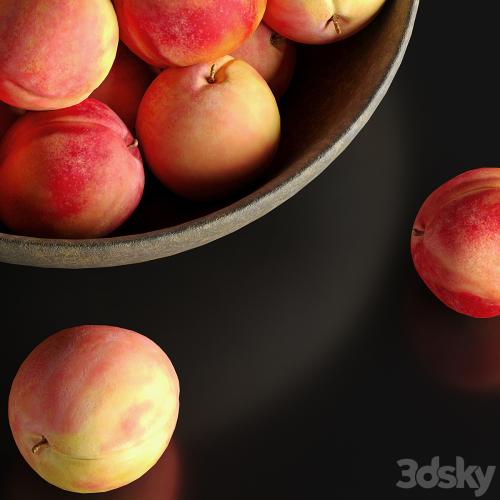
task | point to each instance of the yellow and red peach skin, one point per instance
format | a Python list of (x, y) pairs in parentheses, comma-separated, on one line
[(206, 137), (186, 32), (124, 87), (455, 243), (53, 53), (70, 173), (320, 21), (100, 402), (272, 56)]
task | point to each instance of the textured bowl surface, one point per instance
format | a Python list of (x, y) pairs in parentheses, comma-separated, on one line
[(336, 89)]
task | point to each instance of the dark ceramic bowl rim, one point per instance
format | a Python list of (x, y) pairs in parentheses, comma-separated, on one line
[(142, 247)]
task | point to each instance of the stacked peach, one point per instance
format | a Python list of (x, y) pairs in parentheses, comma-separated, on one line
[(87, 177), (208, 126)]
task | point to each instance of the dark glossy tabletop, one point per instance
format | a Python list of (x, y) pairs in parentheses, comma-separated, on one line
[(311, 358)]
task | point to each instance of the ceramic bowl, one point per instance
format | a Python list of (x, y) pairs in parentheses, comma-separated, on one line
[(336, 89)]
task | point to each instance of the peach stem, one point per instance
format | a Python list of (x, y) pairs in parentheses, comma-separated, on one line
[(335, 20), (211, 78), (39, 445)]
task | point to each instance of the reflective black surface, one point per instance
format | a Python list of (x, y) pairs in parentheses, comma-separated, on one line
[(311, 360)]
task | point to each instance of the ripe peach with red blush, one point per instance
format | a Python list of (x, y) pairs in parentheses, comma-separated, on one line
[(186, 32), (70, 173), (271, 55), (455, 243), (93, 408), (124, 87), (54, 54), (209, 129), (320, 21)]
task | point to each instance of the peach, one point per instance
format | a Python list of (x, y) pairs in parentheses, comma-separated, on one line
[(186, 32), (124, 87), (320, 21), (455, 243), (272, 56), (93, 408), (70, 173), (54, 54), (163, 482), (209, 129), (7, 118)]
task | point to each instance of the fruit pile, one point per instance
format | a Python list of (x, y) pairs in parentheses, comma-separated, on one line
[(207, 123)]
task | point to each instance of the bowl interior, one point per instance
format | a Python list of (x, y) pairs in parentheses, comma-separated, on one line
[(335, 90)]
